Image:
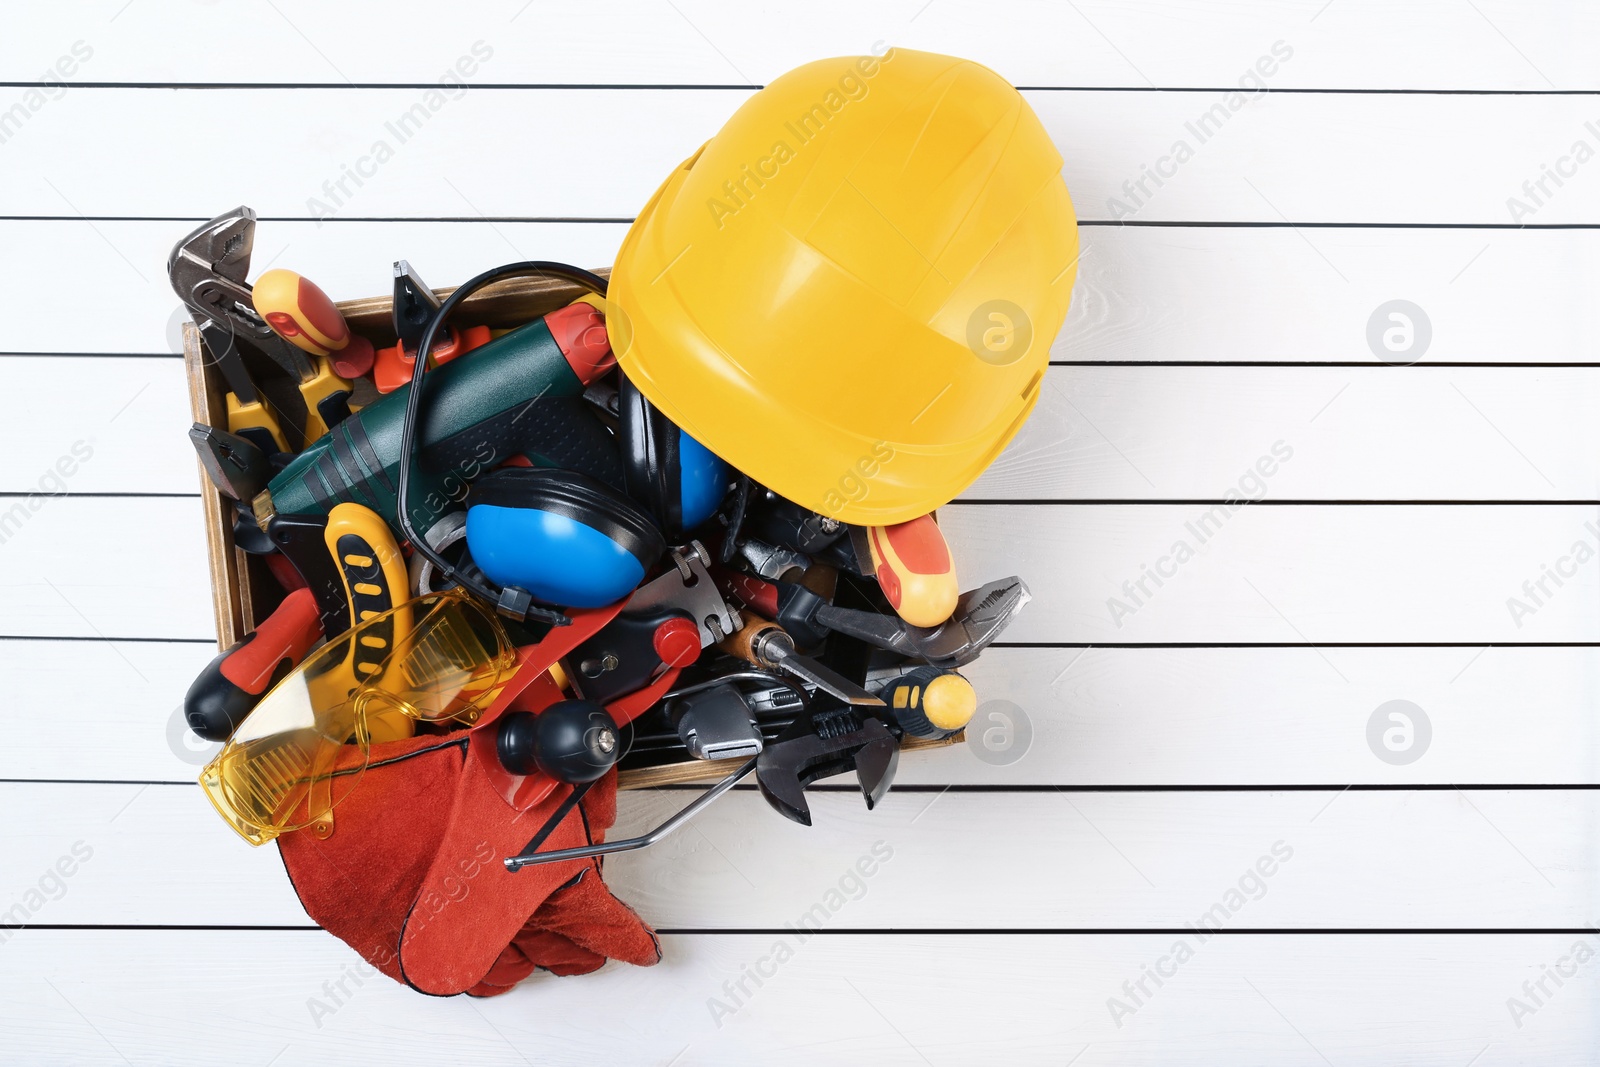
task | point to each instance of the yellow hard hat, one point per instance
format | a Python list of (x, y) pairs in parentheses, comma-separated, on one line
[(849, 293)]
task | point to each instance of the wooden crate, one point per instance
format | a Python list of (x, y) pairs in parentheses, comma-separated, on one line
[(242, 592)]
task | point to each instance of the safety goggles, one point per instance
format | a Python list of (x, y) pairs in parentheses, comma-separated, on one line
[(302, 750)]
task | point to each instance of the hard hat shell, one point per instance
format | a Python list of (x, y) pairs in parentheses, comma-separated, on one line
[(849, 293)]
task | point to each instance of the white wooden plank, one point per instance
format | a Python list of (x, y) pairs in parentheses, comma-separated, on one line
[(1329, 433), (1273, 157), (136, 311), (1315, 574), (1098, 432), (1083, 860), (92, 567), (1099, 43), (1143, 294), (1186, 294), (176, 998), (102, 567), (95, 425), (1223, 716)]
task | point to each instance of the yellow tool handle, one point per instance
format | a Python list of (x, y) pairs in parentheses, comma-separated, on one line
[(255, 416), (319, 387), (375, 581)]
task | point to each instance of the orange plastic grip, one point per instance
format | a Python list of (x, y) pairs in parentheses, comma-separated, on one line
[(913, 565), (301, 313)]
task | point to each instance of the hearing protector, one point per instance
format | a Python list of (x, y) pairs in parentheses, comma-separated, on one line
[(565, 537), (677, 478), (561, 536)]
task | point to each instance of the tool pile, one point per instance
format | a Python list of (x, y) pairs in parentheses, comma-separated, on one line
[(512, 559)]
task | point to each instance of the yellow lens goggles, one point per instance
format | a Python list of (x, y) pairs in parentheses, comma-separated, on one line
[(302, 750)]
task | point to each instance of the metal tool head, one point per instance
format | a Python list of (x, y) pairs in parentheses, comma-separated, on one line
[(980, 616), (689, 587), (216, 249), (821, 745), (236, 467), (982, 613), (208, 270), (414, 304)]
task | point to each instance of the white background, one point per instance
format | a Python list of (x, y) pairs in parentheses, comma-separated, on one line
[(1227, 714)]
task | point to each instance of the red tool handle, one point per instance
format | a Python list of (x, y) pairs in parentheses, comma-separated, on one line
[(233, 683)]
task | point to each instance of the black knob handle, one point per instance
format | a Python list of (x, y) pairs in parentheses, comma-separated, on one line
[(572, 741)]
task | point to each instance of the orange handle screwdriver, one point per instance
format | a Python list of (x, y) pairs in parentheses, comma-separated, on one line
[(913, 565), (301, 313)]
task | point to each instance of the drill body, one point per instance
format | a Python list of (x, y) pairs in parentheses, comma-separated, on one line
[(521, 393)]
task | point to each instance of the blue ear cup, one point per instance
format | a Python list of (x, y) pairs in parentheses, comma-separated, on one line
[(677, 478), (565, 537)]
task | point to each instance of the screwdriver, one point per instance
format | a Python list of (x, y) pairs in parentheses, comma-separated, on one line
[(766, 644), (913, 566), (235, 681), (930, 701), (301, 313)]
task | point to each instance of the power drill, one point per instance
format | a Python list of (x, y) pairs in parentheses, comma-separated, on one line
[(520, 393)]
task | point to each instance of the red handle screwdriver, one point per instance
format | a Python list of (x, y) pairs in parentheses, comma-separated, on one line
[(231, 685)]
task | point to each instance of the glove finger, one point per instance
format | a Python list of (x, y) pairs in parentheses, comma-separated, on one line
[(591, 916), (558, 954)]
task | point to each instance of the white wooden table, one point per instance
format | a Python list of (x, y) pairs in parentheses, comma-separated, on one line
[(1203, 755)]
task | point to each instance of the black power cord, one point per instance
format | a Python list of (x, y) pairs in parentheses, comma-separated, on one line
[(510, 601)]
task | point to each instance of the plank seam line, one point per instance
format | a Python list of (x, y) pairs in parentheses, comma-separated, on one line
[(989, 502), (1219, 363), (997, 644), (742, 87), (921, 931), (1027, 788), (1262, 224)]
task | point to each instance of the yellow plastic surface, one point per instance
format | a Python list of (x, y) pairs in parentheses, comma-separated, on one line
[(850, 292), (304, 747), (366, 656), (949, 702)]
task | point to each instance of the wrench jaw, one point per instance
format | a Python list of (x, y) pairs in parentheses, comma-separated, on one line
[(842, 742)]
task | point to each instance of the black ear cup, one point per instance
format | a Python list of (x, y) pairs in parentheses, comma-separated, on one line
[(650, 470), (565, 537), (666, 470)]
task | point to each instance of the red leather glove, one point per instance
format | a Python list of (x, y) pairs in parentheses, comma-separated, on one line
[(412, 876), (580, 925)]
